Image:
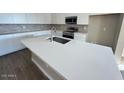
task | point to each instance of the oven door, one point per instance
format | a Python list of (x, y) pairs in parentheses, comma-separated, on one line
[(68, 34)]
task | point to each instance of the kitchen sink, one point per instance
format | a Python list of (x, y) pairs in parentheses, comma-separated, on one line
[(60, 40)]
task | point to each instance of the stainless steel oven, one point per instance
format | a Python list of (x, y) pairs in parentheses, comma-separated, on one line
[(69, 33), (71, 22)]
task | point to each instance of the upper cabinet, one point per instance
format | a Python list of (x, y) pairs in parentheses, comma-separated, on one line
[(39, 18), (25, 18), (6, 18), (43, 18), (19, 18), (59, 18), (83, 18)]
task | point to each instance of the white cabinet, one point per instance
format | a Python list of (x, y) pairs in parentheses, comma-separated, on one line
[(6, 18), (9, 44), (42, 18), (25, 18), (12, 42), (19, 18), (13, 18), (83, 18), (59, 18), (38, 18)]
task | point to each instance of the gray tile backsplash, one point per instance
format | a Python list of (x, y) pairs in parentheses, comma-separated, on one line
[(18, 28), (81, 28)]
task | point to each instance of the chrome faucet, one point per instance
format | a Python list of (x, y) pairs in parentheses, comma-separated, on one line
[(53, 29)]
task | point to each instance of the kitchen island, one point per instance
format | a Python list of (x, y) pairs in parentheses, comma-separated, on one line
[(75, 60)]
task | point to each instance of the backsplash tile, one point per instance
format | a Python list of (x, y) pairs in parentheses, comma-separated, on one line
[(81, 28), (18, 28)]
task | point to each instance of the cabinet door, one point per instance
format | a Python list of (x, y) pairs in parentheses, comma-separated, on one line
[(6, 18), (39, 18), (83, 18), (9, 44), (60, 18), (19, 18), (47, 18)]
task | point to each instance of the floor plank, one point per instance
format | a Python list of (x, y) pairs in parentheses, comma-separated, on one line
[(18, 66)]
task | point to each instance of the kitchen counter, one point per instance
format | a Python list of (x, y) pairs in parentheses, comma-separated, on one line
[(75, 60)]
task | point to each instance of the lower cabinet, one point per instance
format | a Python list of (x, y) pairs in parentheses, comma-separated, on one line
[(12, 42)]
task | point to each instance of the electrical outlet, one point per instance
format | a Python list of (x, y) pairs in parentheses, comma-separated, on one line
[(104, 29), (85, 27), (24, 27)]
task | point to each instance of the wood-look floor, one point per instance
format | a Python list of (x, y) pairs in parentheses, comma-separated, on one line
[(18, 66)]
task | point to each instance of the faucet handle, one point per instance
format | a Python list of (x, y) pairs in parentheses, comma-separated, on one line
[(53, 28)]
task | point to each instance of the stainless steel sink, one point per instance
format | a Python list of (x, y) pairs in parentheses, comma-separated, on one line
[(60, 40)]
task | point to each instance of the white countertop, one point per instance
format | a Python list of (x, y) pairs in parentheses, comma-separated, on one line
[(76, 59)]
